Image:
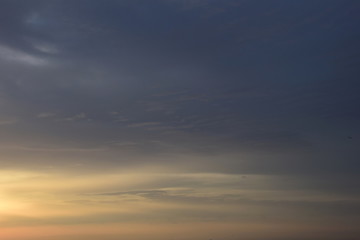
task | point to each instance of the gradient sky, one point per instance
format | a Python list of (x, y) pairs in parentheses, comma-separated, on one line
[(179, 119)]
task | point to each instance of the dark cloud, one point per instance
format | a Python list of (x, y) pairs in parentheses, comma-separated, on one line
[(241, 86)]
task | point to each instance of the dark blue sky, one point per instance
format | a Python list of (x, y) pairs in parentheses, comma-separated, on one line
[(257, 76)]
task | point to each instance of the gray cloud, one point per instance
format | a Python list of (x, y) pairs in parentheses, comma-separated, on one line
[(217, 86)]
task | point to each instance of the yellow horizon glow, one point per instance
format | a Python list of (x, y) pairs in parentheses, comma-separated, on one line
[(130, 204)]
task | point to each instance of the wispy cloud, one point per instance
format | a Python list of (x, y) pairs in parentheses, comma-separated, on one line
[(75, 117), (8, 121), (143, 124), (50, 148), (46, 115), (45, 47), (18, 56)]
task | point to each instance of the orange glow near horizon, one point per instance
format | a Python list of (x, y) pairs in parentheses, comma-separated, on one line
[(139, 204), (165, 231)]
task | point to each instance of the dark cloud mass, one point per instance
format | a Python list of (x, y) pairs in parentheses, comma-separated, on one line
[(222, 87), (259, 77)]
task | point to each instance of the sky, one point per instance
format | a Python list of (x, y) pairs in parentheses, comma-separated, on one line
[(179, 119)]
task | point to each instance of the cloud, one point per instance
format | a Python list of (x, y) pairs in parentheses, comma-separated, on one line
[(146, 193), (144, 124), (46, 115), (46, 48), (17, 56), (46, 148), (7, 121), (76, 117)]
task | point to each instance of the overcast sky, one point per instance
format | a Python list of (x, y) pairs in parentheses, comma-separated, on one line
[(179, 119)]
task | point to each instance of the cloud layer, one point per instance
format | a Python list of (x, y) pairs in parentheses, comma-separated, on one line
[(221, 114)]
